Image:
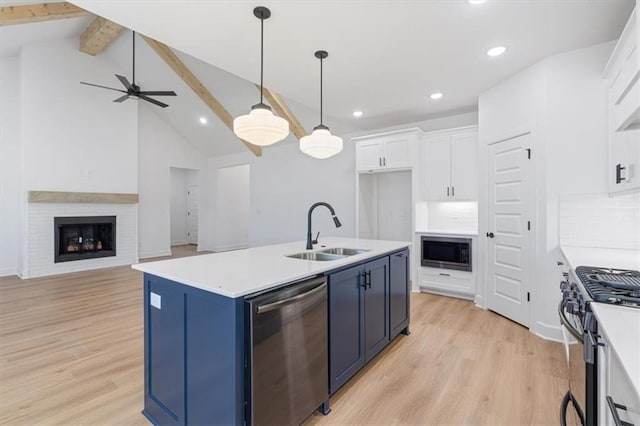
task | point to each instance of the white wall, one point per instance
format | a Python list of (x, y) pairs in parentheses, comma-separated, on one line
[(233, 207), (562, 101), (160, 148), (10, 176), (74, 138)]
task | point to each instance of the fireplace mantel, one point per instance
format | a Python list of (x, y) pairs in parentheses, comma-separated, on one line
[(81, 197)]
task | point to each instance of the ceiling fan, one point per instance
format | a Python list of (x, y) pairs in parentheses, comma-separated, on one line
[(133, 90)]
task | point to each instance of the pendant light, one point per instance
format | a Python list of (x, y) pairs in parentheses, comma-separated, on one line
[(260, 127), (321, 143)]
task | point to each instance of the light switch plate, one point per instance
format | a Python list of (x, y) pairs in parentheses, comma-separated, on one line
[(155, 300)]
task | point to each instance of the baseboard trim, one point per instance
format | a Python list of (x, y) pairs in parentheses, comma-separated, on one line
[(230, 248), (158, 253), (547, 332), (179, 243), (5, 272)]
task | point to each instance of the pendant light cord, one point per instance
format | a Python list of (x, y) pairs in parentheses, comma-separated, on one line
[(261, 57), (321, 123)]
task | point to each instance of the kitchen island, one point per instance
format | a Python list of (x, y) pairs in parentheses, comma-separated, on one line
[(196, 332)]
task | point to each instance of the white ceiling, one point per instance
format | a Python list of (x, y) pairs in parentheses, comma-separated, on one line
[(385, 57)]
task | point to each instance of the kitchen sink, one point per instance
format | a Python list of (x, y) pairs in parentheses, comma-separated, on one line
[(344, 251), (316, 256)]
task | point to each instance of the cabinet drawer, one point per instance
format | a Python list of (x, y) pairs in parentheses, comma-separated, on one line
[(622, 392), (627, 110), (447, 281)]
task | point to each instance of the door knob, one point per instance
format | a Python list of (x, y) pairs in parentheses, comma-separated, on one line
[(490, 234)]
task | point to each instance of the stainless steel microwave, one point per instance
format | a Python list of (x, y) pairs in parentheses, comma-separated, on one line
[(446, 253)]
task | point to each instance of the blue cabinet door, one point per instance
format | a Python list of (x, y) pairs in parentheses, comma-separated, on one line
[(164, 352), (399, 292), (346, 315), (376, 311)]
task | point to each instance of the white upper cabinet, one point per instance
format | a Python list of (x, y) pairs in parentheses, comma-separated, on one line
[(622, 74), (386, 151), (450, 166)]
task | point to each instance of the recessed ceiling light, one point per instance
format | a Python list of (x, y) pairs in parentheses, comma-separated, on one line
[(496, 51), (357, 113), (476, 1), (203, 120), (435, 96)]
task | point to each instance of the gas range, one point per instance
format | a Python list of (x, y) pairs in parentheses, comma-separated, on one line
[(607, 285)]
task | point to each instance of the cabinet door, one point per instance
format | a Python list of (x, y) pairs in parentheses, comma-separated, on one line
[(376, 310), (164, 351), (346, 315), (624, 149), (438, 168), (369, 155), (464, 160), (399, 292), (396, 152)]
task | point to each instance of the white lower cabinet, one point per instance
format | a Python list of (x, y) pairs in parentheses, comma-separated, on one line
[(615, 389), (448, 282)]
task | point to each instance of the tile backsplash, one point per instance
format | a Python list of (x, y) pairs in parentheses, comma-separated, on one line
[(598, 220), (459, 216)]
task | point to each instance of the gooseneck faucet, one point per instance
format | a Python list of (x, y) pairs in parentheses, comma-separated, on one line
[(333, 216)]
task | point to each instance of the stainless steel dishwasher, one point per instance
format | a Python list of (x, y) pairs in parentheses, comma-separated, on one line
[(287, 354)]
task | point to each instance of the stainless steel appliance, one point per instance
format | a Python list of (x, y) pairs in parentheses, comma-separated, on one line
[(287, 354), (591, 285), (446, 252)]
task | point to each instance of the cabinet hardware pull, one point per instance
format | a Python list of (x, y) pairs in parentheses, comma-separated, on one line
[(400, 255), (447, 191), (619, 170), (384, 161), (380, 161), (490, 234), (453, 191), (614, 407), (559, 263), (445, 275)]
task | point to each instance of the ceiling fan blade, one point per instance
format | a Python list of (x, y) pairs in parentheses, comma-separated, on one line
[(159, 93), (103, 87), (124, 81), (153, 101), (122, 98)]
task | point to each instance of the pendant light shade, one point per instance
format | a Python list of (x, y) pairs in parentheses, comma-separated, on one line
[(261, 127), (321, 143)]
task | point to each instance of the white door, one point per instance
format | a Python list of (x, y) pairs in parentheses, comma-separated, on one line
[(369, 155), (438, 168), (192, 213), (464, 175), (509, 211), (396, 152)]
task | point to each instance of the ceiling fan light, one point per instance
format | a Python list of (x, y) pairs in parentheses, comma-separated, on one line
[(261, 127), (321, 144)]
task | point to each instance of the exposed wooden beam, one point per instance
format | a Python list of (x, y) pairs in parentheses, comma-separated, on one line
[(24, 14), (278, 104), (192, 81), (100, 34)]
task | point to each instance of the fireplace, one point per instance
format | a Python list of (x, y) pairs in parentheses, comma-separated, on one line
[(85, 237)]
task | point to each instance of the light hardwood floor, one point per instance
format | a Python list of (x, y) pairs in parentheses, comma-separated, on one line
[(72, 353)]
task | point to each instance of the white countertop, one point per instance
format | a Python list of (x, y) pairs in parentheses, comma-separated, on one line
[(603, 257), (452, 232), (242, 272), (621, 327)]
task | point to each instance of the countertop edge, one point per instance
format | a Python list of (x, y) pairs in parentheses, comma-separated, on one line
[(343, 263)]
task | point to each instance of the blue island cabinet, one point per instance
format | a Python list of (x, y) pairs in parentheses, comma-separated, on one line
[(368, 306), (194, 355)]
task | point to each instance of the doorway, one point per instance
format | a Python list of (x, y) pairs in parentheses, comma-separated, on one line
[(232, 208), (510, 209), (184, 205)]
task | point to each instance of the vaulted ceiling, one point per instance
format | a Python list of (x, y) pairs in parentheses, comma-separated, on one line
[(385, 57)]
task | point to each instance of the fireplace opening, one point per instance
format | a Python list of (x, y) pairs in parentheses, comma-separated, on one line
[(85, 237)]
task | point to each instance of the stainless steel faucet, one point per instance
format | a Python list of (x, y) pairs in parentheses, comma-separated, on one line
[(310, 241)]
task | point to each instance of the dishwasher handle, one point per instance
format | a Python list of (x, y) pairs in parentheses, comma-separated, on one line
[(280, 303)]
